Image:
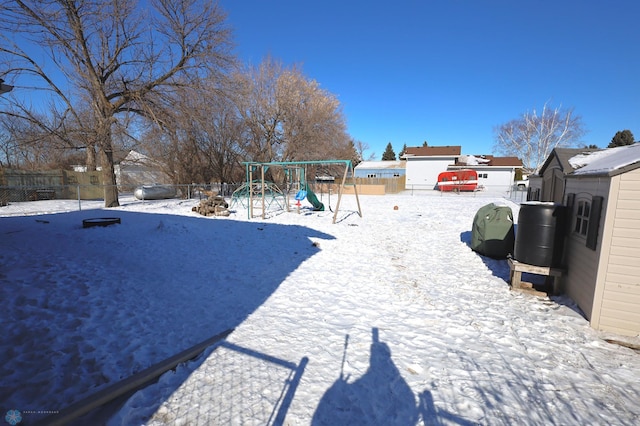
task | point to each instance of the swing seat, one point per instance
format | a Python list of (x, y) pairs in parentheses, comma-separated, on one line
[(301, 195)]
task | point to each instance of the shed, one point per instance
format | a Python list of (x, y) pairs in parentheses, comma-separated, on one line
[(548, 183), (602, 248)]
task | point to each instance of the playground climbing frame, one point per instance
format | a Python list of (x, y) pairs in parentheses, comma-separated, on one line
[(255, 172)]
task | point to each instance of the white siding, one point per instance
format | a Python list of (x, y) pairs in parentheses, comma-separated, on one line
[(620, 300), (499, 178), (422, 172)]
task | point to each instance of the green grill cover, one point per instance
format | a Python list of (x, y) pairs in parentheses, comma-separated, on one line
[(492, 234)]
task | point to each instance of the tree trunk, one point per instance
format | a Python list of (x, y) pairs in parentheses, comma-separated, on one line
[(91, 158), (106, 161), (109, 179)]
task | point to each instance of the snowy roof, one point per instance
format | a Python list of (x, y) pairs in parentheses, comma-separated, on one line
[(381, 165), (472, 160), (137, 158), (488, 160), (563, 155), (611, 161)]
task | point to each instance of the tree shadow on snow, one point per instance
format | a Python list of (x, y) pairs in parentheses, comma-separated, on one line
[(380, 396), (107, 302)]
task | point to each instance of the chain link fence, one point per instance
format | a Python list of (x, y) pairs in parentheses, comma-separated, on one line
[(26, 193), (234, 385), (92, 196)]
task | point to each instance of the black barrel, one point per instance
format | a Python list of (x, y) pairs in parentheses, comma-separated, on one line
[(540, 234)]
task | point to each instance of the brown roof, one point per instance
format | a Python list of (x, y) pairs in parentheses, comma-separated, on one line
[(427, 151), (505, 161)]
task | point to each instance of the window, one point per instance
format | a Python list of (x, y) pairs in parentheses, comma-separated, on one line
[(582, 218), (587, 219), (94, 180), (482, 175)]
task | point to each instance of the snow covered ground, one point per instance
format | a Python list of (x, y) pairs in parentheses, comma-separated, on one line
[(386, 319)]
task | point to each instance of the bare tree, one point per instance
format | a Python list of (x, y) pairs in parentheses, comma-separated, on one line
[(10, 149), (288, 117), (362, 148), (314, 127), (115, 56), (255, 99), (198, 136), (27, 146), (533, 136)]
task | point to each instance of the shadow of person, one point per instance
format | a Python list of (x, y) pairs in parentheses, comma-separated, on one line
[(380, 396)]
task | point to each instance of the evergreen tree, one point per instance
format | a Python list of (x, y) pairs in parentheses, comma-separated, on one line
[(621, 138), (356, 157), (404, 151), (389, 153)]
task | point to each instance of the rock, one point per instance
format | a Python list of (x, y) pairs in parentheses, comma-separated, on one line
[(212, 206)]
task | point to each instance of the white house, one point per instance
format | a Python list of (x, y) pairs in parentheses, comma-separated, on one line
[(425, 163), (494, 173)]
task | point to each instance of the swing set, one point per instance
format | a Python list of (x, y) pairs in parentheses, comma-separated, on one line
[(295, 174)]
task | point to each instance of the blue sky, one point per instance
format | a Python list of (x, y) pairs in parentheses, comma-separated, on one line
[(449, 71)]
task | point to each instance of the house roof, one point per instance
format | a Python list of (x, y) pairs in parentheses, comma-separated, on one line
[(563, 155), (609, 162), (381, 165), (506, 161), (489, 160), (139, 159), (432, 151)]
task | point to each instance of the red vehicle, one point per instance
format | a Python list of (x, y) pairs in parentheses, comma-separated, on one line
[(458, 180)]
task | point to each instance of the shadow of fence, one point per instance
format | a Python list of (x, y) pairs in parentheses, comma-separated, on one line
[(231, 384)]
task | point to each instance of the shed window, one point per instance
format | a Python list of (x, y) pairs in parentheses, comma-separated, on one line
[(582, 218), (588, 220)]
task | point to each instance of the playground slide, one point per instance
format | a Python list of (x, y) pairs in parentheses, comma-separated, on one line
[(317, 205)]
